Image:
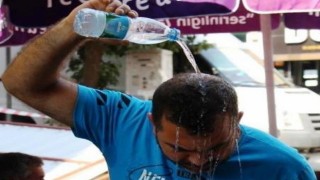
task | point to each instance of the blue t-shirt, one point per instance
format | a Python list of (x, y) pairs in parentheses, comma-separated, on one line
[(118, 125)]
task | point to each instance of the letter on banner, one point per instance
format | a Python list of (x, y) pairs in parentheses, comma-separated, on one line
[(295, 36)]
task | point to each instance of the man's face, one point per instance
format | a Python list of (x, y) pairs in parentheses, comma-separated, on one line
[(194, 152)]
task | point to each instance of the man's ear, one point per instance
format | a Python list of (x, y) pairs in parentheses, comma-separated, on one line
[(240, 114), (150, 116)]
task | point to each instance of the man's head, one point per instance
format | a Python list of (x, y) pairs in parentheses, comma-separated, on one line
[(18, 166), (196, 119)]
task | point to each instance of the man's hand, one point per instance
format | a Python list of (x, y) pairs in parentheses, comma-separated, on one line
[(111, 6)]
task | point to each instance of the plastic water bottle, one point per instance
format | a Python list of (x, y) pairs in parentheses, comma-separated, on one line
[(140, 30)]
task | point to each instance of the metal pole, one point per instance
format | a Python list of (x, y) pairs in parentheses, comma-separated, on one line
[(9, 98), (265, 24)]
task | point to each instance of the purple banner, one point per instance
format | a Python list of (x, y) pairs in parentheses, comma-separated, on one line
[(22, 35), (281, 6), (40, 13), (240, 21), (190, 16), (302, 20), (11, 35), (230, 4)]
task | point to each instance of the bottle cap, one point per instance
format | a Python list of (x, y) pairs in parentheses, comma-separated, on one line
[(174, 34)]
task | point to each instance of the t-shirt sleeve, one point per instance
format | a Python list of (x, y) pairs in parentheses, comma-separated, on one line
[(307, 173), (100, 116)]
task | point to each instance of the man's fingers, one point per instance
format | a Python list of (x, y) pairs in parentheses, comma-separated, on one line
[(113, 6), (133, 13), (122, 9), (126, 10)]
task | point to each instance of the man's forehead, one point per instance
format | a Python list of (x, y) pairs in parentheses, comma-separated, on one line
[(178, 137), (220, 128), (221, 120)]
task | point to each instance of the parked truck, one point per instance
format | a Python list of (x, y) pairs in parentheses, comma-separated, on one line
[(297, 108)]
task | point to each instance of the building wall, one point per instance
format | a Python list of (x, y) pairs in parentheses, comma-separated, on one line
[(7, 101)]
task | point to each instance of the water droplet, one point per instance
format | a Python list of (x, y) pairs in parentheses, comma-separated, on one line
[(177, 146), (239, 160)]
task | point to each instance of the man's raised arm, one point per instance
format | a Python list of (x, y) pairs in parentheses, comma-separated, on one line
[(33, 77)]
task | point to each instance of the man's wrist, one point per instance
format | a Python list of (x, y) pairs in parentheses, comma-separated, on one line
[(65, 30)]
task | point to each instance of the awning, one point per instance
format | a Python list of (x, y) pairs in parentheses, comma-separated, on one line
[(64, 155)]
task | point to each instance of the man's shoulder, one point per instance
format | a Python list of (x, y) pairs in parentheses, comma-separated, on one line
[(265, 144), (262, 148), (256, 136)]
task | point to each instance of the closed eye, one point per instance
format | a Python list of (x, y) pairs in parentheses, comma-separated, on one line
[(177, 148), (214, 148)]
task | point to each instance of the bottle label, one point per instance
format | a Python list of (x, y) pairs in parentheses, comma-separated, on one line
[(116, 26)]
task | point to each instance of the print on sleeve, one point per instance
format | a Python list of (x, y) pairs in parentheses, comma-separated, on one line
[(125, 99), (101, 98)]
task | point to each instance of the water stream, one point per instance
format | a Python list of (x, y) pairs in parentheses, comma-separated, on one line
[(189, 55), (177, 146), (239, 160)]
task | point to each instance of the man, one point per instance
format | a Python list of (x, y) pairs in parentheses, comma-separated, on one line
[(20, 166), (190, 130)]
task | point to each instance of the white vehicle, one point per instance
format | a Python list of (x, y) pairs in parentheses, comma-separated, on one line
[(297, 109)]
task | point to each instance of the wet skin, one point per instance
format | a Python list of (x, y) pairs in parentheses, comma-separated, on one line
[(198, 153)]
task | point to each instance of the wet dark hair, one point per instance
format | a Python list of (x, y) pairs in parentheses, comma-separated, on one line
[(17, 166), (194, 101)]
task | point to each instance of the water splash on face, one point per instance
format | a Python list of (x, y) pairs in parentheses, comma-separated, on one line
[(203, 92), (177, 138), (177, 142), (200, 154), (214, 166)]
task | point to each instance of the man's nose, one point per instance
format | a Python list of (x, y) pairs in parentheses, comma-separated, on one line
[(198, 158)]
